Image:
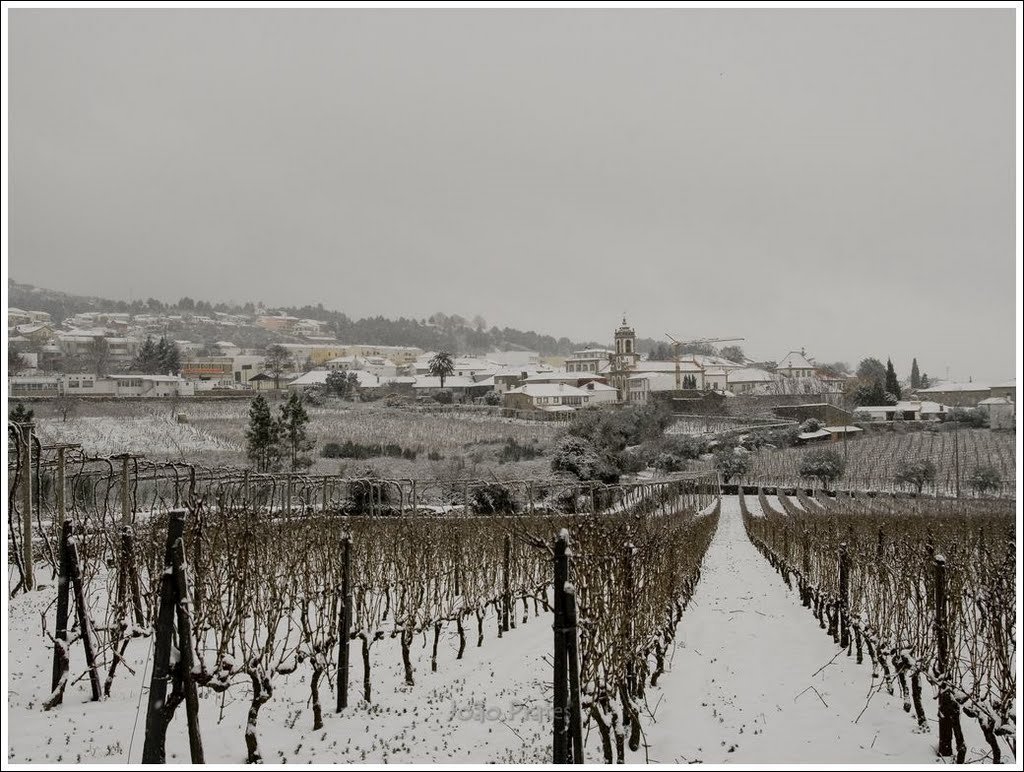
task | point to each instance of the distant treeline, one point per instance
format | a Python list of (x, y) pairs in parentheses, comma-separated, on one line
[(439, 332)]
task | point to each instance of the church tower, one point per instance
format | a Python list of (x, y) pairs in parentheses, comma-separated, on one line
[(625, 348), (624, 359)]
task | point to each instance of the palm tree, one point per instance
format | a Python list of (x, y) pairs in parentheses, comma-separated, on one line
[(441, 366)]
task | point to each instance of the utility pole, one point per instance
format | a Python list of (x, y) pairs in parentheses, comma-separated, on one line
[(956, 449)]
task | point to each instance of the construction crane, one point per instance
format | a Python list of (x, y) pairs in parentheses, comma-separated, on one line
[(677, 343)]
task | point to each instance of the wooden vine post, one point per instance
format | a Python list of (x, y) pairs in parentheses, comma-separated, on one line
[(26, 504), (567, 741), (345, 622), (844, 596), (506, 590), (949, 711), (61, 658), (173, 608)]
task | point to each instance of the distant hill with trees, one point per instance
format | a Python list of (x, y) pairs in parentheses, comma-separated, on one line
[(439, 332)]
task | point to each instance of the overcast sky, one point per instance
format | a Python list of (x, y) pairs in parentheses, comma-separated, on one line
[(841, 180)]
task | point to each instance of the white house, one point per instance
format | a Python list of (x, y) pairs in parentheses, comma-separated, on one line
[(379, 366), (644, 385), (152, 386), (746, 379), (547, 396), (1002, 412), (589, 360), (795, 365), (905, 410), (600, 393)]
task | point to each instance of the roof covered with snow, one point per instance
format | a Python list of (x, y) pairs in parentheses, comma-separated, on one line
[(659, 366), (549, 390), (555, 376), (750, 375), (842, 429), (944, 387), (795, 360), (451, 382)]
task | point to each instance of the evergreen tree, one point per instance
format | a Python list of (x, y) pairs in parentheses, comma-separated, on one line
[(892, 383), (870, 370), (99, 356), (168, 356), (915, 375), (925, 383), (15, 362), (262, 437), (342, 384), (147, 361), (292, 431), (21, 414)]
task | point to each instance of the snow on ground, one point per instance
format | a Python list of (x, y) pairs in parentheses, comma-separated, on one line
[(489, 706), (752, 679), (152, 434), (744, 685)]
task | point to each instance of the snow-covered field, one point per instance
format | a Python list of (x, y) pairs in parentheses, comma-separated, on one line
[(153, 434), (751, 679)]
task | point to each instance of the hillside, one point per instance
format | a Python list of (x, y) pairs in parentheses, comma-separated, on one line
[(452, 333)]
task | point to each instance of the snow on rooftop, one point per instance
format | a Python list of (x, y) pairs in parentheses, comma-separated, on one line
[(795, 360), (944, 387), (549, 390), (750, 375)]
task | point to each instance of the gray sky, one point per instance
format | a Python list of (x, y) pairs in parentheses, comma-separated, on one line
[(841, 180)]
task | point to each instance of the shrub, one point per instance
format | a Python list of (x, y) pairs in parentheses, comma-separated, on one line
[(369, 494), (443, 397), (629, 462), (984, 479), (915, 473), (349, 449), (810, 425), (687, 447), (493, 499), (731, 462), (578, 457), (824, 465), (492, 398), (970, 417), (514, 451), (613, 430), (669, 462)]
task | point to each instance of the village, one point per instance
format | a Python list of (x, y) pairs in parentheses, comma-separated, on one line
[(525, 383)]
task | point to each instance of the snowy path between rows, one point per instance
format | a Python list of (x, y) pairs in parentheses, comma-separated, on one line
[(742, 686), (743, 689)]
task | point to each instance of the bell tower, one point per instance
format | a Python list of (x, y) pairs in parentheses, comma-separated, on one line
[(625, 347), (624, 359)]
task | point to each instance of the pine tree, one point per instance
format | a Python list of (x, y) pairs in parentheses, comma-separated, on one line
[(292, 428), (915, 375), (892, 383), (147, 361), (20, 414), (168, 356), (925, 383), (262, 437)]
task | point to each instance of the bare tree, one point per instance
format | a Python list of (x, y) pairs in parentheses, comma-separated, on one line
[(278, 360)]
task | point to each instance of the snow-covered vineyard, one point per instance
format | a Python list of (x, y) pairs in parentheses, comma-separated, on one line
[(206, 607)]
